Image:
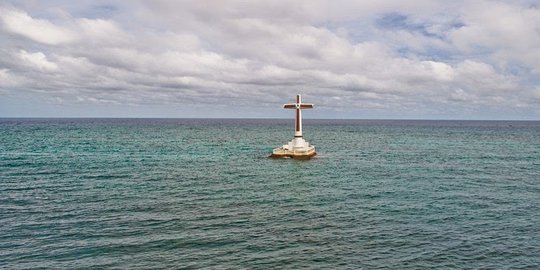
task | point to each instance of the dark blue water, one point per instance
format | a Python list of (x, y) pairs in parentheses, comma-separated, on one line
[(201, 193)]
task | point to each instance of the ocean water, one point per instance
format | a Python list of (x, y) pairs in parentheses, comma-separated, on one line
[(201, 193)]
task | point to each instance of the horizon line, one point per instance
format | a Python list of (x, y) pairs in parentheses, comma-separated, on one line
[(270, 118)]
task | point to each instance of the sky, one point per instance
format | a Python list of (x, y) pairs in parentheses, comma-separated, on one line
[(244, 59)]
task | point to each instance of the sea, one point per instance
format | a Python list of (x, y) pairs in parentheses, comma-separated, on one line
[(203, 194)]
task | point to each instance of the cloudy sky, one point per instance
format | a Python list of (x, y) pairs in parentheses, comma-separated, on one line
[(353, 59)]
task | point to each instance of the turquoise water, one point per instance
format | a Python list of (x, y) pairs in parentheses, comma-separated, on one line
[(201, 193)]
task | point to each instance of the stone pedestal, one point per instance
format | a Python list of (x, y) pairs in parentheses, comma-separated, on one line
[(298, 148)]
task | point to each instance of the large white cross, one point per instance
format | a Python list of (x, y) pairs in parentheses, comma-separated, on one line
[(298, 106)]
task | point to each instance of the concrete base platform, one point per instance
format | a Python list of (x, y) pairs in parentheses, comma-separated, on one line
[(298, 148), (280, 153)]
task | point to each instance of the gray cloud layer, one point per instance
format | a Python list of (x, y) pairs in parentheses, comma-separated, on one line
[(426, 57)]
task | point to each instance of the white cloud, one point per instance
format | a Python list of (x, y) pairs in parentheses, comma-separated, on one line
[(43, 31), (536, 92), (461, 95), (7, 80), (101, 30), (441, 71), (498, 25), (37, 60), (484, 78), (508, 32)]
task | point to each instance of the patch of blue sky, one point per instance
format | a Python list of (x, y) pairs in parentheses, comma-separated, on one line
[(54, 10), (533, 81), (364, 30), (431, 29), (519, 69), (98, 11)]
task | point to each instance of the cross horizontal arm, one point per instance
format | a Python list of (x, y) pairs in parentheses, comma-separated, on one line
[(298, 106)]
